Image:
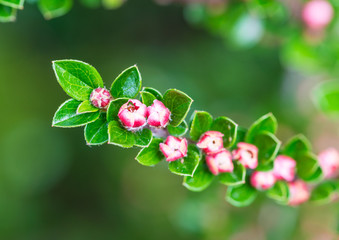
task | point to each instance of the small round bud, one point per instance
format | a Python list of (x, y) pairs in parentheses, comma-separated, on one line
[(158, 115), (100, 98), (220, 162), (262, 180), (133, 114), (247, 154), (317, 14), (174, 148), (329, 162), (284, 168), (299, 192), (211, 142)]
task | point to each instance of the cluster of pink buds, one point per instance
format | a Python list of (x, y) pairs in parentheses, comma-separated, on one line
[(100, 98), (174, 148), (317, 14), (329, 162), (135, 115), (299, 192), (247, 154)]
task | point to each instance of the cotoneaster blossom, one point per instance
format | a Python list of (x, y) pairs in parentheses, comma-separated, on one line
[(158, 115), (284, 168), (211, 142), (263, 180), (174, 148), (247, 154), (329, 162), (220, 162), (100, 98), (299, 192), (317, 14), (133, 114)]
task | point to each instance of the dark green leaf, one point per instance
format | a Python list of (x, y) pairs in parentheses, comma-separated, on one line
[(19, 4), (267, 123), (78, 79), (54, 8), (179, 130), (201, 179), (279, 192), (241, 134), (237, 177), (227, 127), (96, 133), (179, 104), (154, 92), (308, 168), (86, 107), (127, 84), (7, 14), (298, 145), (151, 155), (147, 98), (114, 107), (201, 123), (325, 192), (143, 137), (187, 165), (119, 136), (241, 195), (66, 116)]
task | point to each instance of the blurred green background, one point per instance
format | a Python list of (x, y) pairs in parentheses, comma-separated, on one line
[(53, 186)]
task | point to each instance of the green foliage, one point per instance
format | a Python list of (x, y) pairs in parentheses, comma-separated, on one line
[(154, 92), (298, 145), (179, 130), (96, 133), (147, 98), (241, 195), (54, 8), (114, 107), (86, 107), (326, 97), (227, 127), (308, 167), (7, 14), (237, 177), (325, 192), (279, 192), (266, 123), (188, 165), (19, 4), (151, 155), (201, 123)]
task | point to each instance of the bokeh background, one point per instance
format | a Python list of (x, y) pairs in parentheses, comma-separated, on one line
[(53, 186)]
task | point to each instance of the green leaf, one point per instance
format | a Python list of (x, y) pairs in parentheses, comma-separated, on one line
[(326, 97), (325, 192), (127, 84), (187, 165), (237, 177), (201, 179), (201, 123), (268, 146), (267, 123), (298, 145), (241, 195), (143, 137), (66, 116), (179, 104), (241, 135), (227, 127), (151, 155), (78, 79), (7, 14), (96, 133), (279, 192), (118, 135), (154, 92), (179, 130), (114, 107), (308, 168), (54, 8), (86, 107), (147, 98), (112, 4), (19, 4)]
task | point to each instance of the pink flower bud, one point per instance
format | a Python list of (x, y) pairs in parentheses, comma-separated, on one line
[(317, 14), (247, 154), (100, 98), (329, 162), (158, 115), (220, 162), (174, 148), (211, 142), (299, 192), (133, 114), (262, 180), (284, 168)]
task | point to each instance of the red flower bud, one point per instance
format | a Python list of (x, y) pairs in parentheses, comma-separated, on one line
[(133, 114), (284, 168), (158, 115), (220, 162), (211, 142), (299, 192), (317, 14), (247, 154), (263, 180), (174, 148), (329, 162), (100, 98)]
